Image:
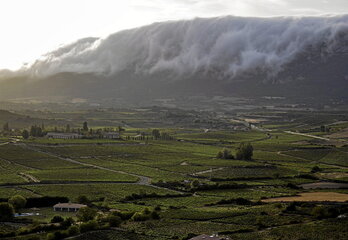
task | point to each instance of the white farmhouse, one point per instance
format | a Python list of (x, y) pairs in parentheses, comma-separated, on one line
[(55, 135)]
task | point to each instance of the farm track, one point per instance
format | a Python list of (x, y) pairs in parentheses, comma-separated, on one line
[(208, 171), (143, 180), (308, 135), (28, 177)]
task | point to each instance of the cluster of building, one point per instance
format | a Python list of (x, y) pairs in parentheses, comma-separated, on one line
[(56, 135)]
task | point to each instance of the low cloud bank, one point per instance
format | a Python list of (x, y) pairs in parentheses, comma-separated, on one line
[(227, 45)]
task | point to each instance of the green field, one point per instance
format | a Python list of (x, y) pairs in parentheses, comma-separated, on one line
[(196, 191)]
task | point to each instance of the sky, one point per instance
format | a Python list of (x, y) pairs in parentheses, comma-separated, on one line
[(32, 28)]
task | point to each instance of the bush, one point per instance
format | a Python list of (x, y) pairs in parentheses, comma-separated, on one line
[(244, 151), (86, 214), (73, 230), (158, 208), (82, 200), (57, 219), (225, 154), (315, 169), (139, 217), (6, 212), (17, 202), (114, 221), (67, 222), (57, 235), (155, 215), (88, 226)]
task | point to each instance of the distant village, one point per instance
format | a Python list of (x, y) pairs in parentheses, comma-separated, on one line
[(68, 133)]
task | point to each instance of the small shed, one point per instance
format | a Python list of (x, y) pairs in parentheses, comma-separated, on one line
[(68, 207)]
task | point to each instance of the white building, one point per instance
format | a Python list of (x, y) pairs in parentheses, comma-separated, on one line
[(111, 135), (63, 135), (68, 207)]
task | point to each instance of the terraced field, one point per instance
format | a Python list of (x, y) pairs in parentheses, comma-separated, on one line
[(196, 191)]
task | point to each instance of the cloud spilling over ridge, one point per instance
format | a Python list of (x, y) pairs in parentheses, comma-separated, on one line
[(228, 45)]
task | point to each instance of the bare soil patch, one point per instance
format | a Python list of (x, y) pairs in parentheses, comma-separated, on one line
[(312, 197), (324, 185)]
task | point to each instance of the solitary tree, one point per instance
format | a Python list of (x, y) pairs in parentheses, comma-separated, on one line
[(156, 133), (83, 199), (6, 212), (25, 134), (244, 151), (67, 128), (6, 127), (85, 126), (17, 202), (120, 129)]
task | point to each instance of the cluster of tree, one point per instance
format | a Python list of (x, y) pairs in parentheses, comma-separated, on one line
[(158, 135), (7, 209), (324, 128), (243, 152), (225, 154), (317, 211), (90, 220), (35, 131)]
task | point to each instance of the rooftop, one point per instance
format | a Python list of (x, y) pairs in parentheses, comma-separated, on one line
[(69, 205)]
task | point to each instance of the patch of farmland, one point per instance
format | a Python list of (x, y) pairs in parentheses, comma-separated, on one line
[(218, 136), (309, 154), (167, 228), (7, 192), (81, 174), (111, 192), (312, 197), (250, 194), (337, 158), (32, 159), (9, 173), (250, 172), (191, 201)]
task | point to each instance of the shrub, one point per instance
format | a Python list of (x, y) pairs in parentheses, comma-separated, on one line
[(73, 230), (114, 221), (244, 151), (6, 212), (57, 219), (88, 226), (158, 208), (86, 214), (67, 222), (18, 202), (225, 154), (57, 235), (155, 215), (82, 200), (315, 169), (126, 215)]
